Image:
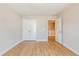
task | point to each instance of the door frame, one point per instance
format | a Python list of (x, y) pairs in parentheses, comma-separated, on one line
[(59, 33), (57, 18)]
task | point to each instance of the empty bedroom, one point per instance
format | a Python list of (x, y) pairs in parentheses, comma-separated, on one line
[(39, 29)]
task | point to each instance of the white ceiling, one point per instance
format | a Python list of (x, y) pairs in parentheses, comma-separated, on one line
[(38, 9)]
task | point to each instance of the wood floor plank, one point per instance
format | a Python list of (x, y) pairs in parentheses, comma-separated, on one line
[(39, 49)]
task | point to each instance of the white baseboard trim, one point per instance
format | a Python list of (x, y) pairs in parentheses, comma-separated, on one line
[(42, 40), (29, 39), (35, 40), (10, 47), (71, 49)]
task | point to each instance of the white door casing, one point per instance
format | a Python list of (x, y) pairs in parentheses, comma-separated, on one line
[(58, 31)]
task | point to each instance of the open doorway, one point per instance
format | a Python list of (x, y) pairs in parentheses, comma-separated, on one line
[(55, 30), (51, 30)]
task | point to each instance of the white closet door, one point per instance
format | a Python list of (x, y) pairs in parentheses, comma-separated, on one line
[(29, 29)]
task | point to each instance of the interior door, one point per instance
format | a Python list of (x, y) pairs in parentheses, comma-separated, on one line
[(58, 27), (29, 29)]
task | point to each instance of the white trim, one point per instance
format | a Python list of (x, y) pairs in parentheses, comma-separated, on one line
[(36, 39), (42, 40), (29, 39), (59, 30), (10, 47), (71, 49)]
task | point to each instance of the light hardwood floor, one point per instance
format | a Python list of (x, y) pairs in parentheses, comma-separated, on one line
[(39, 49)]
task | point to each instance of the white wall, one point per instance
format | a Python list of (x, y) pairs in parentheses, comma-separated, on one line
[(10, 28), (71, 27), (41, 27)]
